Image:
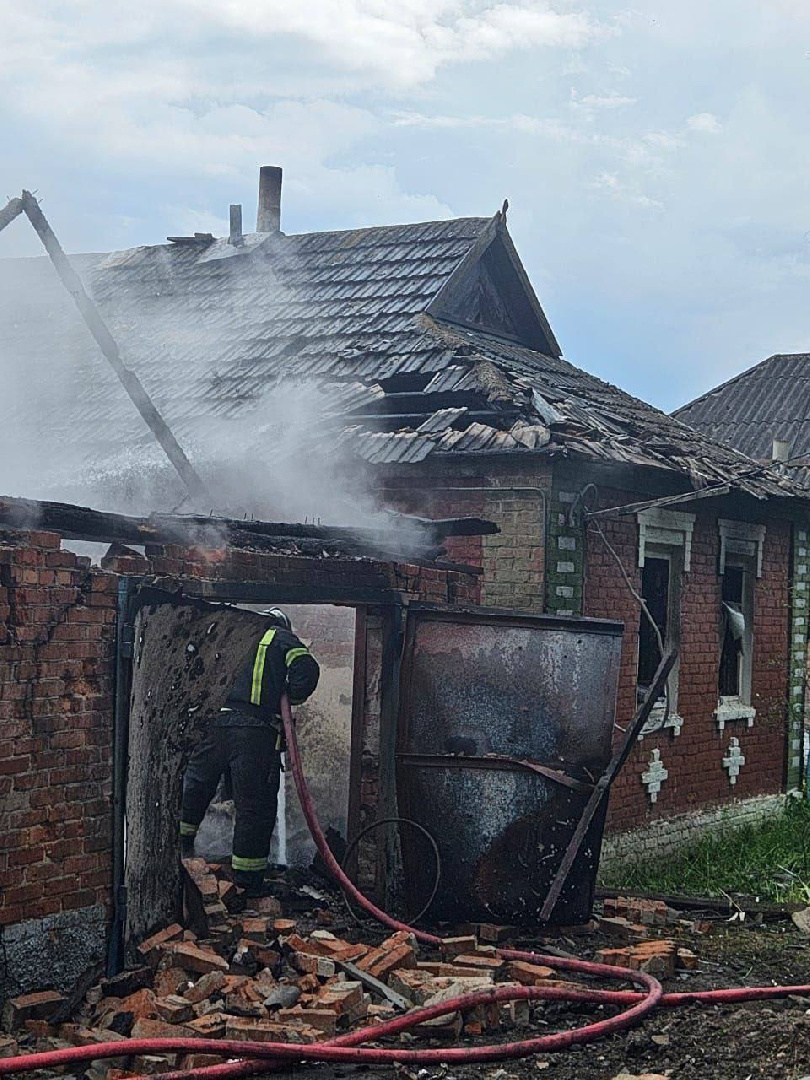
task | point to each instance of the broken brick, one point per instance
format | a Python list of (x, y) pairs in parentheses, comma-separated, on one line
[(8, 1047), (309, 964), (379, 963), (141, 1004), (341, 998), (84, 1036), (254, 929), (490, 932), (485, 963), (150, 949), (174, 1009), (205, 987), (197, 1061), (266, 956), (284, 926), (159, 1029), (528, 974), (239, 1027), (37, 1006), (323, 1019), (269, 906), (686, 960), (171, 980), (452, 946), (39, 1029), (622, 929), (128, 982), (245, 1000), (194, 958), (199, 872), (211, 1026)]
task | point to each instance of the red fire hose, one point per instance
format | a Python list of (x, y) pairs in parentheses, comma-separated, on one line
[(348, 1049)]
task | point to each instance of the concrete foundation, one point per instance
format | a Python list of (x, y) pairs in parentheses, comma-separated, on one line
[(48, 953), (669, 834)]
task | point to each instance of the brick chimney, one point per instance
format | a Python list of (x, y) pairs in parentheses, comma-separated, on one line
[(268, 217)]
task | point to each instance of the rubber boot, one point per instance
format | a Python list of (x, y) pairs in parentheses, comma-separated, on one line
[(253, 883)]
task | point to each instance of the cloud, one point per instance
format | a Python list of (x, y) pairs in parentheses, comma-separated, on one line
[(405, 43), (659, 208), (600, 101), (705, 122)]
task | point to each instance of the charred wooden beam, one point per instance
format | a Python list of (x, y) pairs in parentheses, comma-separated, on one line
[(106, 342), (393, 544), (10, 211)]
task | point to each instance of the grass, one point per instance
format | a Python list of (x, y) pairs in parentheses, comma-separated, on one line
[(770, 860)]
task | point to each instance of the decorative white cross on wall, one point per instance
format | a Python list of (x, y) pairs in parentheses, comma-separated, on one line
[(733, 761), (654, 775)]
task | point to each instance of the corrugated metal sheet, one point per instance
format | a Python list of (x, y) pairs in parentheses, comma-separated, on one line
[(770, 401)]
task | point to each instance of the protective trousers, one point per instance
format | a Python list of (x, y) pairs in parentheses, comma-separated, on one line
[(250, 755)]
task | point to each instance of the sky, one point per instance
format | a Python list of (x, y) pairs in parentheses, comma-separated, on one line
[(655, 156)]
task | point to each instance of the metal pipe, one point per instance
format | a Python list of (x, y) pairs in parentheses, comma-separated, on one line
[(123, 673)]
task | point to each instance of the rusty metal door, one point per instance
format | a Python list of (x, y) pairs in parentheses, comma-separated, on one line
[(505, 724)]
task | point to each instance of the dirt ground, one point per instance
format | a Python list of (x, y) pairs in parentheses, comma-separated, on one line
[(759, 1041)]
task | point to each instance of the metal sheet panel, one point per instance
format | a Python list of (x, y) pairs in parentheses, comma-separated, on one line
[(540, 688)]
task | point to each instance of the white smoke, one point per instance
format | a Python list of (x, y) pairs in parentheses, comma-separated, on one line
[(277, 460)]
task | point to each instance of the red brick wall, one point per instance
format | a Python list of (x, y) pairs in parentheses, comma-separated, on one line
[(56, 670), (694, 758), (57, 656)]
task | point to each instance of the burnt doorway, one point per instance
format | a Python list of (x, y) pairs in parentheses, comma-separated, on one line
[(184, 653), (324, 726)]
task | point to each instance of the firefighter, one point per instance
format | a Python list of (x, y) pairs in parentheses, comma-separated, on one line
[(245, 743)]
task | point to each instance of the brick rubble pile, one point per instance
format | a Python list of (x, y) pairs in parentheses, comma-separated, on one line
[(253, 974)]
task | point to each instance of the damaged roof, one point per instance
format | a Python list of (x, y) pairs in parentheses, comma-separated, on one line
[(426, 340)]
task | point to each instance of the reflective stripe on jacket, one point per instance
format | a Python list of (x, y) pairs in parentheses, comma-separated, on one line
[(281, 662)]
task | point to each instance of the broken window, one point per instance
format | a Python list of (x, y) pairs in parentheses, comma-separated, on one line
[(737, 639), (660, 589)]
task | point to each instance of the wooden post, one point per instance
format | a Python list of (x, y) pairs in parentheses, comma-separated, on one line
[(10, 211), (106, 342), (389, 850)]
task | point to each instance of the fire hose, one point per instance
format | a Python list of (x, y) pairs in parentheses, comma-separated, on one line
[(264, 1057)]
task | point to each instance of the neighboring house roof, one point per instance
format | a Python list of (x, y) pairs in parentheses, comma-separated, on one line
[(427, 339), (767, 402)]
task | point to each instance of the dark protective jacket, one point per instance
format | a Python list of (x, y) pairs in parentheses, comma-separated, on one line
[(281, 662)]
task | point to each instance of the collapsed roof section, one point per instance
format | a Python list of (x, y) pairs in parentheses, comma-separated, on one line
[(425, 340)]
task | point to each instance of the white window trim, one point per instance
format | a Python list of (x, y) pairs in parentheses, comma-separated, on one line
[(734, 708), (668, 528), (741, 538), (659, 719), (738, 706)]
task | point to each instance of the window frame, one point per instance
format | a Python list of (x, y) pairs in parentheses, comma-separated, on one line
[(675, 555), (738, 706)]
